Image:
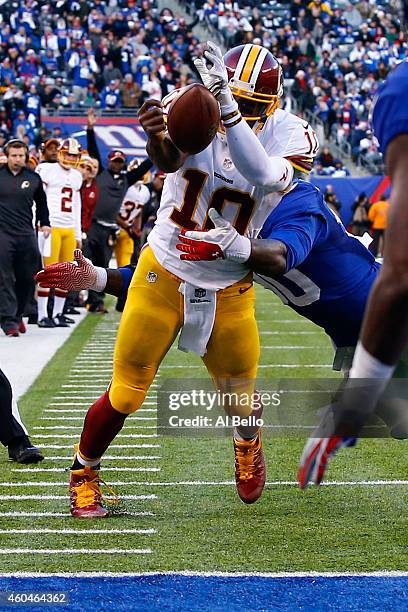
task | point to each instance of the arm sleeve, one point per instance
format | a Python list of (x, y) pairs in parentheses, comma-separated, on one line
[(41, 206), (372, 212), (138, 173), (93, 147), (298, 234), (253, 162), (390, 115), (127, 274)]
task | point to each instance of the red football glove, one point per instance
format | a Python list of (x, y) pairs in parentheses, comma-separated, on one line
[(198, 250), (222, 242), (68, 275)]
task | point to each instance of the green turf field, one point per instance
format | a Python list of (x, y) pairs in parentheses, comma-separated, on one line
[(174, 515)]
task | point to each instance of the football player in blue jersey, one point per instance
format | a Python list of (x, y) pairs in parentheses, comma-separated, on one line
[(305, 256), (384, 333)]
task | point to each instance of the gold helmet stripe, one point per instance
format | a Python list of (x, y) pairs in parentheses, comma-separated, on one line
[(249, 65), (241, 62)]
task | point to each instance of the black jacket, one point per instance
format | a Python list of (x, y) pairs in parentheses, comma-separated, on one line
[(18, 193)]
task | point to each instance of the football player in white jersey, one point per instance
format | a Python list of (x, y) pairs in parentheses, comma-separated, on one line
[(130, 221), (62, 182), (243, 173)]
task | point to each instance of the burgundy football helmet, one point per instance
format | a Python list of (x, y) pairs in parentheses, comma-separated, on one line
[(69, 153), (255, 79)]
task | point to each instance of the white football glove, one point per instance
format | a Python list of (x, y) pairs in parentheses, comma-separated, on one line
[(215, 77), (222, 242)]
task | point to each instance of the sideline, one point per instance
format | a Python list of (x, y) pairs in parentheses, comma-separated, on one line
[(22, 359)]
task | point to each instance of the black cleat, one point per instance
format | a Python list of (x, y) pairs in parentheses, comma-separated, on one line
[(32, 319), (66, 319), (71, 311), (46, 322), (60, 321), (22, 451)]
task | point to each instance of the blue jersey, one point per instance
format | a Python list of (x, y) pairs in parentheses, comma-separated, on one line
[(329, 272), (390, 112)]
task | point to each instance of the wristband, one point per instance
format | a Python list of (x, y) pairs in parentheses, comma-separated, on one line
[(101, 279)]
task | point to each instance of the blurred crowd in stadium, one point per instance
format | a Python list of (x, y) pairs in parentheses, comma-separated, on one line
[(112, 54)]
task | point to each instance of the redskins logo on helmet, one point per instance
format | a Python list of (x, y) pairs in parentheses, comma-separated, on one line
[(69, 153), (255, 79)]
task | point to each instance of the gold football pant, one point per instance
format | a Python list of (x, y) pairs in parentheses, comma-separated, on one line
[(123, 249), (152, 318), (63, 244)]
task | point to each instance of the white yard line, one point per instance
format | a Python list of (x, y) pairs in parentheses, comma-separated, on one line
[(81, 418), (302, 346), (87, 402), (111, 447), (83, 412), (191, 573), (111, 458), (79, 428), (275, 483), (70, 436), (87, 386), (290, 333), (206, 483), (75, 551), (41, 470), (295, 365), (273, 321), (50, 484), (61, 514), (42, 498), (98, 370), (41, 530)]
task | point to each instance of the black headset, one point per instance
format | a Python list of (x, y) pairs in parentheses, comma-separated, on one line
[(12, 143)]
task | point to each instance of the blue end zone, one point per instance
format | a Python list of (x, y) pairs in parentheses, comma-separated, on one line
[(177, 592)]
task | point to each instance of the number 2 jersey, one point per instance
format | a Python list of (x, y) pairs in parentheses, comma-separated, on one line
[(210, 179), (63, 197), (329, 272)]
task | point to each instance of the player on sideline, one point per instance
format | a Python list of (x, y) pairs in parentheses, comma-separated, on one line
[(62, 182), (384, 334), (129, 220), (260, 162)]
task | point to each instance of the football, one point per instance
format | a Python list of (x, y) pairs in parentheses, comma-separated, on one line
[(193, 119)]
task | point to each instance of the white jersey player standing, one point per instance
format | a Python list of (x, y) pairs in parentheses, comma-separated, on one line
[(62, 184), (130, 221)]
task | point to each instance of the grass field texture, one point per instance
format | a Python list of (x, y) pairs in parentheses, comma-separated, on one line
[(179, 508)]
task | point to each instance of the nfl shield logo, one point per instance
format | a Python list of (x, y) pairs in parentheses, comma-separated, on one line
[(151, 277), (199, 293)]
